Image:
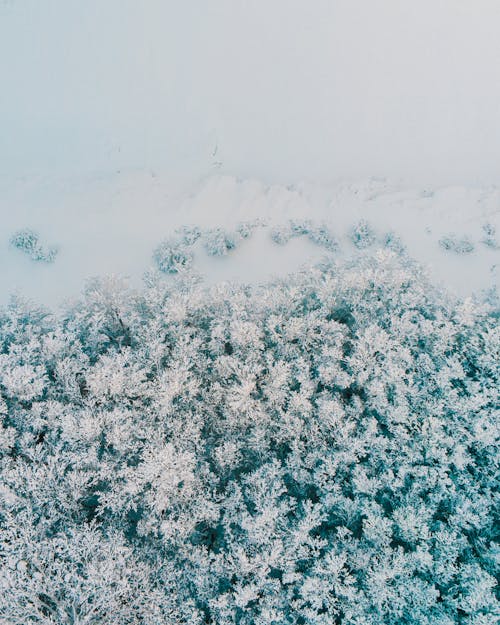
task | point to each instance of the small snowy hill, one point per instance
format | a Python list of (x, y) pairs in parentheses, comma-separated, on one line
[(111, 223)]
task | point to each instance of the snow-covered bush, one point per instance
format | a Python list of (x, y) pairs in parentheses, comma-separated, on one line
[(189, 234), (322, 235), (28, 241), (490, 236), (218, 241), (362, 234), (300, 227), (318, 233), (281, 233), (244, 229), (172, 256), (392, 241), (458, 245), (319, 450)]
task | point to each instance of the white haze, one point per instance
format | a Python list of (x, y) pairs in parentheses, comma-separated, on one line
[(282, 90)]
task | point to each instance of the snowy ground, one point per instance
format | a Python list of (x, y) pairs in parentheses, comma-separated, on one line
[(111, 223), (176, 99)]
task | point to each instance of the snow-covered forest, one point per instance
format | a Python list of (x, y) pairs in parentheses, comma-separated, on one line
[(249, 338), (318, 450)]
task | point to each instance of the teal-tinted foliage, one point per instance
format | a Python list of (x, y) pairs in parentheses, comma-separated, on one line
[(218, 242), (28, 241), (490, 236), (362, 235), (458, 245), (172, 256), (322, 450)]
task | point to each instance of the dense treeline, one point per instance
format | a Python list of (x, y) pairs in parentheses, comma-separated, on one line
[(319, 450)]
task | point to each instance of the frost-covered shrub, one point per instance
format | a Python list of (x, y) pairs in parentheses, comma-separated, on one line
[(25, 240), (172, 256), (322, 235), (28, 241), (392, 241), (300, 227), (244, 229), (489, 236), (281, 234), (464, 246), (362, 234), (218, 242), (458, 245), (189, 234), (322, 449), (447, 243), (318, 233)]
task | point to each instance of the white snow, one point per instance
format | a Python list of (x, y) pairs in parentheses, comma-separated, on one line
[(214, 112), (284, 89), (112, 223)]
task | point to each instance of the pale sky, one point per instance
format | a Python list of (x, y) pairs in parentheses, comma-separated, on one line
[(287, 89)]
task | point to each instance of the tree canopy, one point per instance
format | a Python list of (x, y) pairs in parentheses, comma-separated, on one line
[(320, 450)]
